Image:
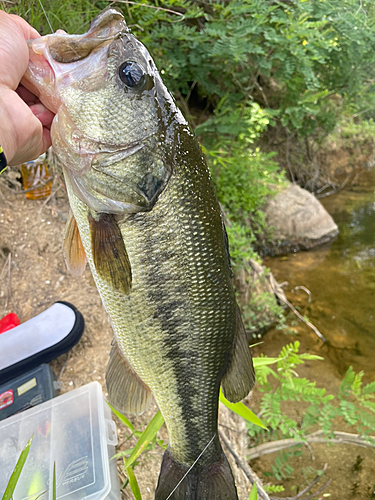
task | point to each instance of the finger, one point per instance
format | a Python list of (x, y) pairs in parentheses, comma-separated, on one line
[(24, 138), (28, 31), (44, 115), (46, 140)]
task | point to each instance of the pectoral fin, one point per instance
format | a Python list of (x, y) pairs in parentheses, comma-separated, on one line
[(74, 253), (109, 253), (240, 377), (126, 391)]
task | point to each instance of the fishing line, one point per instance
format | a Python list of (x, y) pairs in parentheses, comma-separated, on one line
[(186, 473), (44, 12)]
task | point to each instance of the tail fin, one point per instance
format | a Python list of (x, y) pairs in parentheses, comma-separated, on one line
[(213, 481)]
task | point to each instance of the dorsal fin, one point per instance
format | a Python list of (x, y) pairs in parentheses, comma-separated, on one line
[(109, 253), (226, 243), (74, 253)]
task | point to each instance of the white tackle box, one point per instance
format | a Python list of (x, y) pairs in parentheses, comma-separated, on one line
[(75, 431)]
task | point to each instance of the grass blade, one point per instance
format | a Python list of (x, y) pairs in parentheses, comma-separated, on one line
[(123, 419), (133, 484), (242, 410), (148, 435), (54, 482), (253, 492), (17, 471)]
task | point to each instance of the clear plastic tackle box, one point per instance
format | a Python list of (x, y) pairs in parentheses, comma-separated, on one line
[(75, 431)]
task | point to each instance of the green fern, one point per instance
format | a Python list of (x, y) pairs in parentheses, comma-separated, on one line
[(353, 404)]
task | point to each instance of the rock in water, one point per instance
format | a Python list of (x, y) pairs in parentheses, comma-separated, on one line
[(298, 221)]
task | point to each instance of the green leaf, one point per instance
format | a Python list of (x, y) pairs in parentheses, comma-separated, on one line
[(123, 419), (253, 492), (148, 435), (264, 361), (241, 410), (311, 357), (133, 484), (8, 494)]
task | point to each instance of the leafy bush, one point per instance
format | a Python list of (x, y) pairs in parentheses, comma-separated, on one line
[(260, 312), (305, 61), (289, 56)]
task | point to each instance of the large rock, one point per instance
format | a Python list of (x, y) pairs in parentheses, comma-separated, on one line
[(298, 221)]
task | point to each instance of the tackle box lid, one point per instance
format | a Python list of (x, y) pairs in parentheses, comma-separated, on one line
[(73, 431)]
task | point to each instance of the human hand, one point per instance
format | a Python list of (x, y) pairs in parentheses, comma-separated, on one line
[(24, 120)]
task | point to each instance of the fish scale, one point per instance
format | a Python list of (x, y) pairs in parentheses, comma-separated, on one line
[(151, 229)]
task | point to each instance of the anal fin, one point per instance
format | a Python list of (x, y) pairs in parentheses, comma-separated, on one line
[(74, 253), (126, 391), (240, 376)]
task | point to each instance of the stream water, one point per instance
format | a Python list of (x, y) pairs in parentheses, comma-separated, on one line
[(341, 279)]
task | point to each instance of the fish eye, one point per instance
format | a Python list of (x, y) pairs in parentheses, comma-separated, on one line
[(132, 74)]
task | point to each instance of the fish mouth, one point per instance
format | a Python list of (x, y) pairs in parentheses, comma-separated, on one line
[(53, 58)]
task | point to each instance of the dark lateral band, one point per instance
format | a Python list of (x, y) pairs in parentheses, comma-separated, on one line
[(3, 160)]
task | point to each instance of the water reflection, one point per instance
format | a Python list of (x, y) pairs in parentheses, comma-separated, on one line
[(341, 278)]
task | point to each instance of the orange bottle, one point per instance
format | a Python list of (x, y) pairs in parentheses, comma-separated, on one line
[(35, 175)]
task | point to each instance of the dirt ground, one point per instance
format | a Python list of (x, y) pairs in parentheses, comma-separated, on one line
[(33, 276)]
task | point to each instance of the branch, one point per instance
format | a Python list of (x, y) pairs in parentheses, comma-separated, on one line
[(151, 7), (315, 437), (249, 473), (281, 296), (300, 495), (299, 316), (308, 488)]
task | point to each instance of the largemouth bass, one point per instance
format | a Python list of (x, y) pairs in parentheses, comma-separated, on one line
[(146, 219)]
